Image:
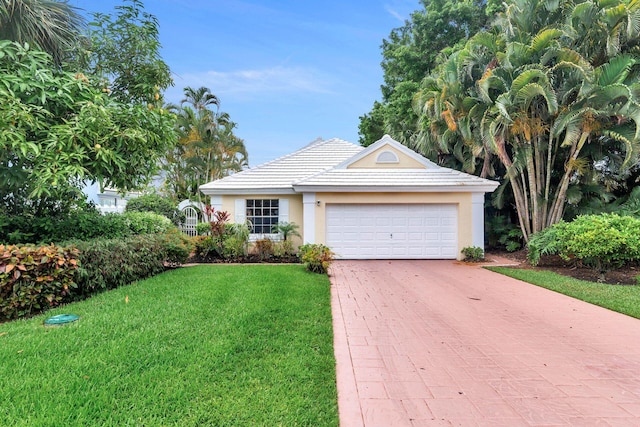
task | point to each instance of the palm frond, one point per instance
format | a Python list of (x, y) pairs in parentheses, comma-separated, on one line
[(544, 39), (615, 71)]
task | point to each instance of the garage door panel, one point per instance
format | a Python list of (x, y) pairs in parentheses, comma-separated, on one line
[(392, 231)]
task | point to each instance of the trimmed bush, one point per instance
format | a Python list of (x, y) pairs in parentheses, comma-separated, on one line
[(147, 222), (110, 263), (316, 257), (79, 224), (602, 242), (157, 204), (33, 279)]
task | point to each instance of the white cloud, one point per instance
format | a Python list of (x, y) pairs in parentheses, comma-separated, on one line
[(250, 83), (393, 13)]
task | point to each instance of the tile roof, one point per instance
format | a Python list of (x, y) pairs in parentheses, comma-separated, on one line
[(323, 166), (432, 179), (280, 174)]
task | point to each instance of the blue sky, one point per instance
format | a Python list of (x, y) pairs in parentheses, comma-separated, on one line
[(286, 71)]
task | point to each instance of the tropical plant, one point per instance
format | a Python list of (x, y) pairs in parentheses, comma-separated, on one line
[(52, 26), (286, 229), (473, 253), (316, 257), (409, 54), (207, 148), (540, 101)]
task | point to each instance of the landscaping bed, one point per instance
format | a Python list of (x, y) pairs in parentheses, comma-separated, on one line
[(622, 276)]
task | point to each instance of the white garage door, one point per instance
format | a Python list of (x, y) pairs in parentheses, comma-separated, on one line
[(393, 231)]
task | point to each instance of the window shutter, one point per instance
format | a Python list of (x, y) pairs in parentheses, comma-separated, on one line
[(283, 210), (241, 211)]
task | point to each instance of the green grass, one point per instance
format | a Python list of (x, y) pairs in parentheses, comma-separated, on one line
[(223, 345), (620, 298)]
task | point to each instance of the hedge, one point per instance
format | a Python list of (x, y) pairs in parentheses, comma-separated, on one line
[(33, 279)]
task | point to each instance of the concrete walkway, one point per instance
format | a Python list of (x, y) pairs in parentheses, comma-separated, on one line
[(440, 343)]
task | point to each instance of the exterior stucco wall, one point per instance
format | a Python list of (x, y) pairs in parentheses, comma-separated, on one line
[(295, 208), (369, 162), (464, 201)]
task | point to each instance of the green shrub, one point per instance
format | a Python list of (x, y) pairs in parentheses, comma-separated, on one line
[(208, 247), (110, 263), (234, 247), (283, 248), (601, 242), (78, 224), (473, 253), (147, 222), (33, 279), (203, 229), (177, 247), (157, 204), (316, 257)]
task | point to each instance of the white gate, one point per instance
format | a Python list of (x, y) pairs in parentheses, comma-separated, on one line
[(190, 221)]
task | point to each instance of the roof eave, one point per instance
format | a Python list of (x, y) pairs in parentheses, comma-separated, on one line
[(481, 188), (245, 191)]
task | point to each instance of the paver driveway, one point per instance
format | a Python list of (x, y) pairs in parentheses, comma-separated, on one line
[(422, 343)]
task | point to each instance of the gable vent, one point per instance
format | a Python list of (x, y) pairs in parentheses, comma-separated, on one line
[(387, 157)]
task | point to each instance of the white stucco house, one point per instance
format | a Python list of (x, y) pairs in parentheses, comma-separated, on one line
[(384, 201)]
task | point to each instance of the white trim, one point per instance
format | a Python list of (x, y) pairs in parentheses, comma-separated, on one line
[(247, 191), (283, 210), (216, 202), (309, 217), (241, 211), (387, 140), (477, 219), (464, 188)]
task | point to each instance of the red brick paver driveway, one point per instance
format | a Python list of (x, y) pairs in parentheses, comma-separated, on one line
[(422, 343)]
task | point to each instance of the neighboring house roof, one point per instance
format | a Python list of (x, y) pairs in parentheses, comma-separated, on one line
[(278, 176), (340, 166)]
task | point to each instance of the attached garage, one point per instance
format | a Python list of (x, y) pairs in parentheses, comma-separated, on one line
[(392, 231)]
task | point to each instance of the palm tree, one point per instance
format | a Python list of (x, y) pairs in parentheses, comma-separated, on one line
[(543, 95), (53, 26), (207, 148)]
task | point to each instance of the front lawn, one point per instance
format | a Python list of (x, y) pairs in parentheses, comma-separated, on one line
[(624, 299), (221, 345)]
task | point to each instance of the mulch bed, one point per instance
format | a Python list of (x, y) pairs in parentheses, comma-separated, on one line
[(249, 259), (622, 276)]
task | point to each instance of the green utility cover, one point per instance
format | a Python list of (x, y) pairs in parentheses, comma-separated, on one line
[(61, 319)]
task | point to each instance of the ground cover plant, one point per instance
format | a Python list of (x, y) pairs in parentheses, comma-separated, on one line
[(223, 345), (620, 298)]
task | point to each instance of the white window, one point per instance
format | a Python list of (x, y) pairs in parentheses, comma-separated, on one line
[(262, 214)]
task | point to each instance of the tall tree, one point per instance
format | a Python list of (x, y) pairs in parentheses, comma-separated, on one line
[(57, 129), (52, 26), (207, 148), (124, 52), (409, 54), (544, 96)]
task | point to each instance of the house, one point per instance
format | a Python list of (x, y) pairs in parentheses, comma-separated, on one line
[(108, 200), (380, 202)]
